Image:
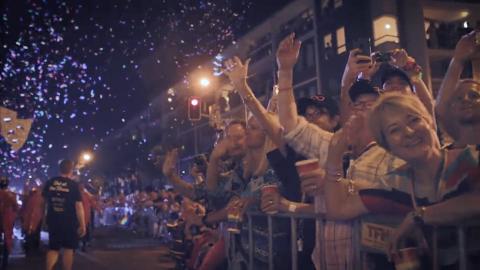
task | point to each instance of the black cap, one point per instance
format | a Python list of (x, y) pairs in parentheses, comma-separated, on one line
[(319, 101), (391, 72), (362, 87)]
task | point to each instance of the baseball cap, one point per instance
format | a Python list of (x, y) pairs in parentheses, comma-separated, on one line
[(391, 72), (319, 101), (362, 87)]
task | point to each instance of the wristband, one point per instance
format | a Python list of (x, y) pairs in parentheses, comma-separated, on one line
[(292, 207)]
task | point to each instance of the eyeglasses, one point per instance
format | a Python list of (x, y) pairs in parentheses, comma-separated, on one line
[(362, 105), (313, 114)]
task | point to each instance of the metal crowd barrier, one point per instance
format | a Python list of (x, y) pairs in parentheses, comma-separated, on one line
[(369, 234)]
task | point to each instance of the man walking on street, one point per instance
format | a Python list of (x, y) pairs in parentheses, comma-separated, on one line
[(65, 216)]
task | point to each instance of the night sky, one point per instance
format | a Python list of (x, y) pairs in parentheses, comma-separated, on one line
[(74, 65)]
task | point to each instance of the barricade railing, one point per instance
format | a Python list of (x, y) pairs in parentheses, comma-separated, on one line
[(370, 234)]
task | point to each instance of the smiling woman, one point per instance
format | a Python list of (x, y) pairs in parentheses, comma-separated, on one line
[(402, 125)]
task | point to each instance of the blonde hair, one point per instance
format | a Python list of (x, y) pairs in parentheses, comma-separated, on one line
[(394, 101)]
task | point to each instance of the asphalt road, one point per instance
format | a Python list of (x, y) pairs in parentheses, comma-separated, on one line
[(111, 248)]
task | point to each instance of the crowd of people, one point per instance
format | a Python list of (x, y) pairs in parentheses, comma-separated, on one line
[(391, 148)]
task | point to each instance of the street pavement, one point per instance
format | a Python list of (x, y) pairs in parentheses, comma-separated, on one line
[(112, 248)]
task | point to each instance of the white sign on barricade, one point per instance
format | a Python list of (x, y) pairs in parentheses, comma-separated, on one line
[(376, 236)]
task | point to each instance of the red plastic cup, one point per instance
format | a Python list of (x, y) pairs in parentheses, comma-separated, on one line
[(268, 189), (308, 165), (407, 259)]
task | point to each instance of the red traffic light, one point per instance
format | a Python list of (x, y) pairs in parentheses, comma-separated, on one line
[(194, 101), (194, 109)]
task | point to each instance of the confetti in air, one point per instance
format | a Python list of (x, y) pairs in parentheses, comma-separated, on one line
[(76, 68)]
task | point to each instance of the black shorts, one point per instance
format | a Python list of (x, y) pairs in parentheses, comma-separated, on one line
[(62, 237)]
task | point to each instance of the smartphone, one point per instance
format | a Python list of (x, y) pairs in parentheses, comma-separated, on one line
[(365, 46), (382, 57)]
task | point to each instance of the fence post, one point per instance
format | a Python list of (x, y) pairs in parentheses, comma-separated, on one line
[(250, 242), (270, 243), (462, 250), (356, 244), (435, 248), (293, 239), (321, 231)]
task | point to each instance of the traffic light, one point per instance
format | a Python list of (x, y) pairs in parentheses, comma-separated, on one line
[(194, 109)]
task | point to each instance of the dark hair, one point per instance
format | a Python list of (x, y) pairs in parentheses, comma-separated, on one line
[(321, 102), (202, 162), (362, 87), (391, 72), (66, 166)]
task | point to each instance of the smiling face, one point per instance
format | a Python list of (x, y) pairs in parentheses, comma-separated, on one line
[(465, 106), (235, 133), (402, 125), (408, 134)]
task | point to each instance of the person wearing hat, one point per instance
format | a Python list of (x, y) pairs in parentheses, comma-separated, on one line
[(320, 110), (404, 75), (8, 212)]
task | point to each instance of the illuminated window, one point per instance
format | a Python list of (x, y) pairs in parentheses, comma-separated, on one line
[(338, 3), (341, 40), (385, 30), (327, 41)]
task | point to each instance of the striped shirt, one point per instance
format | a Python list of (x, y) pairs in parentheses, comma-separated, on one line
[(312, 142)]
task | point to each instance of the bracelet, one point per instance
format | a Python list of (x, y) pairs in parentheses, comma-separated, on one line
[(412, 66), (292, 207)]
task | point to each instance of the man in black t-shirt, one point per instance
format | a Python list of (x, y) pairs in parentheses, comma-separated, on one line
[(65, 216)]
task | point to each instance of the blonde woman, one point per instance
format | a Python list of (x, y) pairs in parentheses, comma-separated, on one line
[(435, 187)]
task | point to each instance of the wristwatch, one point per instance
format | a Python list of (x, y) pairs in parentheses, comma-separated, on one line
[(418, 215)]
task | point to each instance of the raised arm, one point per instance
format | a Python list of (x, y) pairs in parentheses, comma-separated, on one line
[(220, 151), (340, 203), (237, 73), (464, 50), (402, 60), (169, 168), (357, 64), (287, 55)]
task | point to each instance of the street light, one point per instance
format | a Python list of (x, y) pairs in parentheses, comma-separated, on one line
[(204, 82), (86, 157)]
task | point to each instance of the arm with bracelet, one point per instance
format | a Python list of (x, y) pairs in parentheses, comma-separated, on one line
[(408, 64), (237, 73)]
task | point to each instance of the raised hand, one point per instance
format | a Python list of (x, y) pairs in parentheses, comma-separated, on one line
[(399, 58), (287, 52), (237, 71), (466, 47), (356, 64), (169, 164), (221, 149)]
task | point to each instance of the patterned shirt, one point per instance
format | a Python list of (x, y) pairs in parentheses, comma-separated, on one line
[(312, 142), (375, 162)]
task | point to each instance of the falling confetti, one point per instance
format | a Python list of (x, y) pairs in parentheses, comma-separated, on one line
[(76, 69)]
